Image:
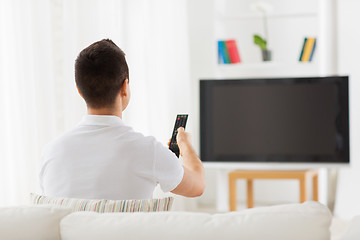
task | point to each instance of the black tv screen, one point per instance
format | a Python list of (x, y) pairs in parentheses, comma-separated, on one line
[(293, 120)]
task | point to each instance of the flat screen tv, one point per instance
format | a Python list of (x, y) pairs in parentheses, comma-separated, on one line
[(286, 120)]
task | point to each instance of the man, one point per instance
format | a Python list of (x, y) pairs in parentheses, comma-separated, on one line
[(102, 158)]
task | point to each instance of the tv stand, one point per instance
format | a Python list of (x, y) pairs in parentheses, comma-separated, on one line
[(327, 179), (250, 175)]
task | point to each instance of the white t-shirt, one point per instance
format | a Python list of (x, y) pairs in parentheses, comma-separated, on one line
[(102, 158)]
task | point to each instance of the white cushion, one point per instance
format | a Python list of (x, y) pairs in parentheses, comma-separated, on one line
[(31, 222), (353, 231), (308, 221)]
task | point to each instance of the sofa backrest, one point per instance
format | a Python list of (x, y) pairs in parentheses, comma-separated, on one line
[(310, 221), (31, 222)]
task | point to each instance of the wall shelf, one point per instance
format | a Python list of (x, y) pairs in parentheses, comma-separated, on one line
[(268, 69), (288, 25)]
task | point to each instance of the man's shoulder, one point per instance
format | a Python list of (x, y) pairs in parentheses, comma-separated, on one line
[(124, 134), (140, 139), (57, 141), (113, 136)]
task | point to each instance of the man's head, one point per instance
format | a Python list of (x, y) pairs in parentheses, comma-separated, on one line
[(100, 73)]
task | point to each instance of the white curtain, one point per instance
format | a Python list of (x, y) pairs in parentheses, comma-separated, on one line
[(39, 41), (27, 95)]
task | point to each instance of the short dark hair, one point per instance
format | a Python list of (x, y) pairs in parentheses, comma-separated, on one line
[(100, 71)]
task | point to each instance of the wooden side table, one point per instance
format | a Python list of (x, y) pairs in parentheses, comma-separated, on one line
[(250, 175)]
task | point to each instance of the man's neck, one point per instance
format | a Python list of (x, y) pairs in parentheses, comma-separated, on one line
[(105, 111)]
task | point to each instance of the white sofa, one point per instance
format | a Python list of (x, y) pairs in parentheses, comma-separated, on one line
[(308, 221)]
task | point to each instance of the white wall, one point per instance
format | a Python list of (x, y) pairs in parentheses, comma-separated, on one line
[(348, 197)]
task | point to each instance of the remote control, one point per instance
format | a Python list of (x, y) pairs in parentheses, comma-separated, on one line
[(180, 122)]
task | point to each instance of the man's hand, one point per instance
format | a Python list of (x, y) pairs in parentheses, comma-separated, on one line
[(183, 140), (193, 182), (182, 136)]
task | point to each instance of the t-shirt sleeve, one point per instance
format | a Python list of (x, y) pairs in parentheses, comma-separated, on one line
[(168, 170), (43, 166)]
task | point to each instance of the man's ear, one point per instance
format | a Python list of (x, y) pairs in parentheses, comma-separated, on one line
[(124, 91), (79, 91)]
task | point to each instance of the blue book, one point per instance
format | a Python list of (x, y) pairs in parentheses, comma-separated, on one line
[(221, 53)]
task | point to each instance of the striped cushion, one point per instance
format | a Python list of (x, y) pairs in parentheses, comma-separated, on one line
[(102, 206)]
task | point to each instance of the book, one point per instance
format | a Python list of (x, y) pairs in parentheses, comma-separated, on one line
[(233, 51), (313, 50), (302, 49), (223, 54), (308, 50)]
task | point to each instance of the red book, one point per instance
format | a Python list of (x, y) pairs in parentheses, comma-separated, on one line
[(233, 51)]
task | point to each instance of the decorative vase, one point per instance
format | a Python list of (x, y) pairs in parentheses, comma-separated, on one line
[(266, 55)]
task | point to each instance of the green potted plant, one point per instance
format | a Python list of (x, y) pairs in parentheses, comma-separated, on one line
[(263, 8), (262, 43)]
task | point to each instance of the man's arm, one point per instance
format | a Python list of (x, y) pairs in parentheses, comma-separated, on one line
[(193, 182)]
